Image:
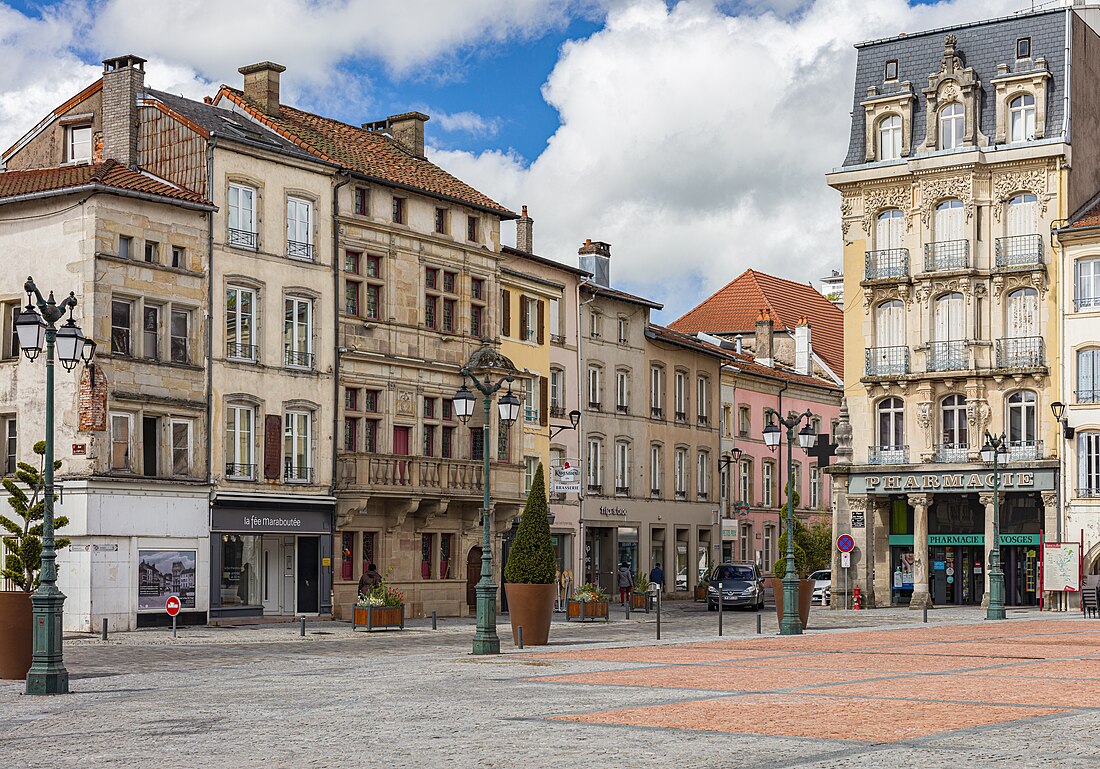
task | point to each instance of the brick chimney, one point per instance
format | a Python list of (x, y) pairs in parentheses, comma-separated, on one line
[(762, 344), (261, 85), (525, 237), (803, 349), (123, 82), (407, 129), (595, 257)]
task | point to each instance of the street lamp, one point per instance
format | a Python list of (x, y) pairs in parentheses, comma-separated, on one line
[(37, 329), (488, 363), (791, 624), (995, 451), (732, 459), (574, 420)]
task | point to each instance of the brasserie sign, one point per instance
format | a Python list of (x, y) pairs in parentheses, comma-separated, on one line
[(950, 482)]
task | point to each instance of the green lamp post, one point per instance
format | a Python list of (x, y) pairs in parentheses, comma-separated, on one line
[(488, 363), (995, 451), (35, 329), (791, 624)]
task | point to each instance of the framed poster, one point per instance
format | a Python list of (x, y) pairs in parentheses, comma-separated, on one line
[(162, 573), (1061, 567)]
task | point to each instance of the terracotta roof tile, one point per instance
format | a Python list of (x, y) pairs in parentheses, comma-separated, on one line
[(1090, 217), (734, 308), (108, 175), (368, 152)]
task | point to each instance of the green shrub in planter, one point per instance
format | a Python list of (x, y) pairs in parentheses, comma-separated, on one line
[(23, 565), (531, 559)]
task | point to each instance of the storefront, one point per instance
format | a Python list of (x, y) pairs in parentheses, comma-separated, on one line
[(270, 558)]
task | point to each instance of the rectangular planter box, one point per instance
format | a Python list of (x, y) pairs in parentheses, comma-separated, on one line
[(374, 617), (640, 601), (586, 610), (700, 593)]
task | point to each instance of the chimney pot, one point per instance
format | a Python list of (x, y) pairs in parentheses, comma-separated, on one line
[(407, 129), (123, 82), (595, 257), (763, 341), (261, 85), (525, 237)]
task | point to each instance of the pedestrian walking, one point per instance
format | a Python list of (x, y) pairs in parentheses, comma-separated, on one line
[(626, 582), (370, 579), (657, 575)]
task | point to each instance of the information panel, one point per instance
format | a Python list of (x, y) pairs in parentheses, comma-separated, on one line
[(1061, 567)]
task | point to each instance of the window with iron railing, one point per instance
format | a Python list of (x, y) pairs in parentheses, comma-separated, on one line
[(1019, 352), (947, 255), (1018, 252), (948, 356), (886, 361), (886, 263)]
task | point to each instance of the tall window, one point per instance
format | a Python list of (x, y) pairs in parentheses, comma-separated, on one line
[(951, 126), (622, 467), (530, 467), (242, 216), (656, 391), (746, 542), (680, 395), (121, 442), (557, 391), (240, 306), (594, 387), (1088, 464), (702, 474), (78, 148), (890, 324), (181, 446), (702, 399), (769, 539), (767, 480), (680, 472), (1088, 375), (1021, 419), (1022, 217), (595, 465), (362, 204), (891, 423), (889, 138), (888, 229), (1086, 280), (656, 470), (953, 416), (949, 317), (1022, 313), (1021, 118), (815, 487), (298, 332), (297, 448), (9, 435), (299, 228), (948, 222), (530, 400), (555, 321), (121, 320), (744, 475), (622, 392), (398, 210), (150, 331), (240, 425), (179, 334)]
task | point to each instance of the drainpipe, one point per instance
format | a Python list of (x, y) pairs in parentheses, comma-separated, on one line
[(779, 465), (336, 330), (210, 315), (581, 442), (1066, 82)]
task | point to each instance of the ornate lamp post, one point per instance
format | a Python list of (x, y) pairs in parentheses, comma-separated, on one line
[(791, 624), (35, 329), (488, 363), (995, 451)]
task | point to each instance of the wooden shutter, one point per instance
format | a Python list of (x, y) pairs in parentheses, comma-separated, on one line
[(523, 317), (273, 447), (506, 312), (542, 321), (544, 399)]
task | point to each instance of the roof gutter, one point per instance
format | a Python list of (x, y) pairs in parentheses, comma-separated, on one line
[(503, 213), (107, 190)]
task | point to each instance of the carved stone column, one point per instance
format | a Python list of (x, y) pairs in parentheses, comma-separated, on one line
[(921, 598)]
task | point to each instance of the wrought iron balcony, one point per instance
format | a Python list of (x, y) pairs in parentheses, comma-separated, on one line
[(1088, 492), (702, 496), (948, 356), (1024, 451), (887, 361), (297, 474), (621, 491), (622, 408), (557, 339), (681, 495), (952, 452), (1019, 252), (703, 420), (656, 413), (1088, 396), (245, 352), (237, 472), (947, 255), (593, 405), (887, 263), (681, 416), (557, 412), (242, 238), (298, 250), (1085, 302), (887, 455), (1019, 352), (595, 488), (298, 359)]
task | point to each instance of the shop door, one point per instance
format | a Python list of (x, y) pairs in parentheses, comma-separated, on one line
[(1021, 574), (271, 565), (473, 576), (309, 571)]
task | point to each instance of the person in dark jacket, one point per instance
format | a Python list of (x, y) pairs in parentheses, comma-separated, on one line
[(369, 580), (626, 583), (657, 574)]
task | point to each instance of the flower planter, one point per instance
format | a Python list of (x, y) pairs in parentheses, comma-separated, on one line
[(531, 607), (700, 593), (16, 634), (805, 598), (374, 617), (640, 601), (586, 610)]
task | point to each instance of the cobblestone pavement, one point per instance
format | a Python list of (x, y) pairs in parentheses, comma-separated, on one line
[(861, 689)]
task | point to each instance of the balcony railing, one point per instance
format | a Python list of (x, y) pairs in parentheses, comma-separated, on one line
[(1019, 352), (557, 339), (887, 361), (246, 352), (703, 420), (237, 472), (557, 412), (948, 356), (1018, 252), (887, 263), (1088, 492), (530, 415), (243, 238), (1024, 451), (656, 413), (595, 488), (681, 416), (1088, 396), (681, 495), (1085, 303), (947, 255), (622, 408), (621, 491), (298, 250), (401, 475), (887, 455), (593, 405), (952, 452), (298, 359), (557, 496), (655, 493), (299, 474), (702, 496)]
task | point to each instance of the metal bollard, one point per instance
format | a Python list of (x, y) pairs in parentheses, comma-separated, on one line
[(519, 634), (926, 615), (103, 634), (758, 623), (629, 600), (173, 625), (303, 631), (720, 602), (434, 626), (658, 616)]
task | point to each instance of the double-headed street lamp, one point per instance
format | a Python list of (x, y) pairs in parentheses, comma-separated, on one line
[(995, 451), (35, 329), (489, 364), (791, 624)]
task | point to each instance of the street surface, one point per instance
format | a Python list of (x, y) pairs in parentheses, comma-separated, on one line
[(860, 689)]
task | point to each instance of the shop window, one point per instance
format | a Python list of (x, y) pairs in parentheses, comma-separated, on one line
[(240, 580), (369, 556), (446, 547), (347, 551), (426, 548)]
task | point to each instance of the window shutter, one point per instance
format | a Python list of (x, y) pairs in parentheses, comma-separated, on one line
[(542, 322), (523, 317), (506, 313), (273, 447), (544, 401), (1077, 293)]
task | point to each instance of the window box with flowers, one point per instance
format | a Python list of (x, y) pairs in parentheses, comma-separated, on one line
[(383, 607), (588, 602)]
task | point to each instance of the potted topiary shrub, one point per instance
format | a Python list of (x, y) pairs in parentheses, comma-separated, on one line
[(529, 573), (805, 586), (23, 564), (588, 602), (639, 597)]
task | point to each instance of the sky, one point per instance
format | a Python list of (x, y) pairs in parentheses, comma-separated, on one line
[(691, 135)]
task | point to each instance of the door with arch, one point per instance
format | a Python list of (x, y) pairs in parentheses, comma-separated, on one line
[(473, 575)]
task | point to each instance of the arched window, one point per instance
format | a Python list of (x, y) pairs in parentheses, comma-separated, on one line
[(949, 318), (889, 138), (1086, 283), (948, 224), (1021, 118), (1088, 375), (1022, 313), (890, 324), (888, 229), (891, 447), (1021, 425), (1023, 215), (951, 126), (955, 437)]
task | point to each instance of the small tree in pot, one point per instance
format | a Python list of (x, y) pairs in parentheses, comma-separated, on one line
[(23, 561), (529, 573)]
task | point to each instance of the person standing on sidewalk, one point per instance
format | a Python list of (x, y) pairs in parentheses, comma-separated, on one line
[(626, 582), (657, 575)]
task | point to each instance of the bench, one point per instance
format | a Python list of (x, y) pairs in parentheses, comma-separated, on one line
[(1089, 602)]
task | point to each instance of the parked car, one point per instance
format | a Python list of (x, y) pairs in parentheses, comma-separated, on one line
[(742, 585), (823, 587)]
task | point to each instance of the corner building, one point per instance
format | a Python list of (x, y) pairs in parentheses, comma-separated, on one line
[(958, 165)]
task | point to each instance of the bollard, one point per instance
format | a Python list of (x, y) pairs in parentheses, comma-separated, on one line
[(758, 621), (519, 634), (658, 616), (303, 630), (173, 625), (629, 600), (103, 634), (720, 602), (434, 627), (926, 615)]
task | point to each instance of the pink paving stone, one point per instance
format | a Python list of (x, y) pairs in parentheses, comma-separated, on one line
[(839, 718), (746, 677), (872, 663), (1019, 648), (1052, 669), (657, 654), (988, 688)]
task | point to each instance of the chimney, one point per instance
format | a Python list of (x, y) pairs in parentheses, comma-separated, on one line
[(762, 344), (261, 85), (407, 129), (803, 351), (524, 236), (738, 344), (596, 259), (123, 81)]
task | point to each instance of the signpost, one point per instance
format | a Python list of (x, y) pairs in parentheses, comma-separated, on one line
[(172, 606), (565, 479), (845, 544)]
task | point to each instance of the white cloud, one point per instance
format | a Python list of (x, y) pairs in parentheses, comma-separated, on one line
[(696, 141), (466, 122)]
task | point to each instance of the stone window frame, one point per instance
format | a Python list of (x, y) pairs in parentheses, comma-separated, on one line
[(259, 289), (1035, 83), (878, 108), (257, 406), (257, 187), (301, 195), (952, 83)]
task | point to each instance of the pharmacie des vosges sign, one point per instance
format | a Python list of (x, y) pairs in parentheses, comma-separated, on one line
[(951, 482)]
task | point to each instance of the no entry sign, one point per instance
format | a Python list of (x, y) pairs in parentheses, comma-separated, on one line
[(172, 605), (845, 543)]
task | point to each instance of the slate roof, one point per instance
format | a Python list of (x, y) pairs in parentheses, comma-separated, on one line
[(369, 153), (983, 45), (621, 295), (665, 334), (101, 177), (734, 308)]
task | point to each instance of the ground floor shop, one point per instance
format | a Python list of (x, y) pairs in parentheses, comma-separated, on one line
[(270, 558)]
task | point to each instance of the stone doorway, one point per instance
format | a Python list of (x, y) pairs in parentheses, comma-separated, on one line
[(473, 576)]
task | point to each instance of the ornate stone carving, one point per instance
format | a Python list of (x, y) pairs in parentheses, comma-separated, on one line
[(847, 205), (919, 501), (934, 190), (1050, 499), (953, 83), (1007, 184), (1006, 284), (924, 420), (878, 198), (986, 500), (406, 403)]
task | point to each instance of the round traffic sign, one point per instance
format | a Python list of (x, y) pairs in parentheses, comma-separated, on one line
[(845, 543), (172, 605)]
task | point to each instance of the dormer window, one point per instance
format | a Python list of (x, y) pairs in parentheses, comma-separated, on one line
[(1021, 118), (890, 71), (889, 138), (951, 126), (1023, 48), (78, 145)]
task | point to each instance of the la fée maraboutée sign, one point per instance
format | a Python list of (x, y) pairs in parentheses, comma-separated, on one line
[(950, 482)]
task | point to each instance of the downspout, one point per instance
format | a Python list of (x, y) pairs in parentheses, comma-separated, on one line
[(1068, 53), (581, 440), (336, 330), (210, 314)]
